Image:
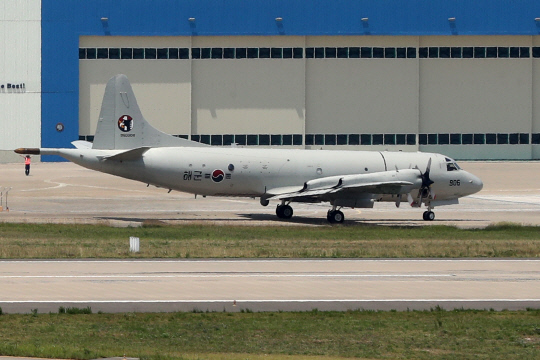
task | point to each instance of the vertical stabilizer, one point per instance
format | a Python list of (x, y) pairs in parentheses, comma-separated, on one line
[(121, 124)]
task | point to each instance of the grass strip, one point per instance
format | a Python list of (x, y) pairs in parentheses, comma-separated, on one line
[(436, 334), (39, 241)]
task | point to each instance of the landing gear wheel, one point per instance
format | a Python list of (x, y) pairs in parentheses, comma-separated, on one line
[(335, 216), (284, 211), (429, 215)]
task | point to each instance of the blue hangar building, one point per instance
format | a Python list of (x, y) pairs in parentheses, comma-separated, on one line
[(460, 77)]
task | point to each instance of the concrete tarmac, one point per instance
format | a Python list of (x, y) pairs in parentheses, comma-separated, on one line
[(268, 285), (67, 193)]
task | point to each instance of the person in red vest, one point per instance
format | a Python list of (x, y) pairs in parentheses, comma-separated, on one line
[(27, 165)]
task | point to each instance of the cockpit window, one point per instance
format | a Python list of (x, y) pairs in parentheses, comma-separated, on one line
[(451, 165)]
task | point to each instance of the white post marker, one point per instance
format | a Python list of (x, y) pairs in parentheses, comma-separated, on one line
[(133, 244)]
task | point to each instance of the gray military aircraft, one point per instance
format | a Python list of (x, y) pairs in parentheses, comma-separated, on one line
[(126, 145)]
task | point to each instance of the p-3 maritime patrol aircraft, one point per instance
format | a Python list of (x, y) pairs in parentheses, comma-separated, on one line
[(126, 145)]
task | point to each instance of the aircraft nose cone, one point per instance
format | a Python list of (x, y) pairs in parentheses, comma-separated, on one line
[(475, 183)]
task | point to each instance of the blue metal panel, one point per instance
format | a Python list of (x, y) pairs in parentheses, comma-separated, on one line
[(63, 21)]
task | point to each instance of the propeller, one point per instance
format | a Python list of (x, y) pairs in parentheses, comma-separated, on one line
[(425, 189)]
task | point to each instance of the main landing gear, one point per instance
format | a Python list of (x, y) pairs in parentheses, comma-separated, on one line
[(335, 216), (429, 215), (284, 211)]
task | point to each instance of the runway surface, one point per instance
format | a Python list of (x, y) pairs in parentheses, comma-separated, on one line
[(65, 192), (268, 285)]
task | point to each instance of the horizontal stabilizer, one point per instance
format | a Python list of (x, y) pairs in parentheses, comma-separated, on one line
[(82, 144), (129, 155)]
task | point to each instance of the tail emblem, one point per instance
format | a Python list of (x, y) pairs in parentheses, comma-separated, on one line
[(125, 123)]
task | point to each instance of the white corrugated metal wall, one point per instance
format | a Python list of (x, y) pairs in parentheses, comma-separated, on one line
[(20, 65)]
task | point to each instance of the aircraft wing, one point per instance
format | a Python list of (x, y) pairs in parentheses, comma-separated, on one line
[(386, 182)]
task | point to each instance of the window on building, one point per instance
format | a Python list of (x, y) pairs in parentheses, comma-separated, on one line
[(467, 139), (377, 139), (228, 139), (138, 53), (310, 139), (502, 138), (491, 52), (411, 53), (319, 53), (401, 53), (216, 140), (378, 52), (240, 139), (228, 53), (114, 53), (264, 53), (252, 139), (444, 52), (91, 53), (206, 53), (126, 53), (479, 139), (366, 52), (536, 52), (524, 52), (411, 139), (389, 52), (196, 53), (217, 53), (150, 53), (422, 139), (535, 139), (444, 139), (205, 139), (401, 139), (389, 139), (103, 53), (82, 54), (275, 140), (173, 53), (467, 52), (455, 52), (252, 53), (341, 139), (342, 52), (455, 139), (365, 139), (514, 52), (287, 53), (503, 52), (297, 139), (491, 139), (514, 139), (310, 53), (319, 139), (479, 52), (330, 139), (287, 139), (432, 139), (264, 139), (354, 139), (523, 138), (423, 52), (163, 53), (298, 53), (241, 53), (354, 52), (433, 52), (330, 52), (276, 53)]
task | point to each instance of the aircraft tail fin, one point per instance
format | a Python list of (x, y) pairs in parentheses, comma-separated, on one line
[(121, 124)]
